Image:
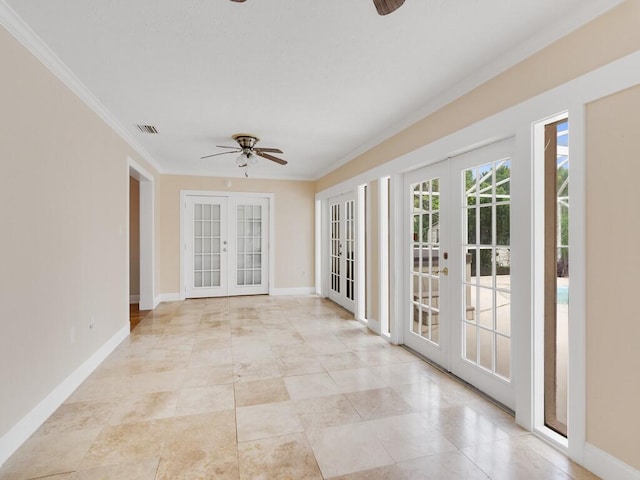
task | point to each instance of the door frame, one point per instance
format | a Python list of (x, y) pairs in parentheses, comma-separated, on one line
[(341, 200), (147, 299), (323, 252), (234, 195), (447, 353)]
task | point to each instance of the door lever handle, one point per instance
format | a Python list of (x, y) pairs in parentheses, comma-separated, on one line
[(445, 271)]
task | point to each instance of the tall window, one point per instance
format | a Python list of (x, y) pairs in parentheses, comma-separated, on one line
[(556, 274)]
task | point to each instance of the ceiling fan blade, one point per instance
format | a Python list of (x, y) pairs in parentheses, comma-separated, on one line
[(224, 146), (237, 0), (385, 7), (215, 155), (272, 158), (268, 150)]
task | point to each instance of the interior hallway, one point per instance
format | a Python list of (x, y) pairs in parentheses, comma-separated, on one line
[(275, 387)]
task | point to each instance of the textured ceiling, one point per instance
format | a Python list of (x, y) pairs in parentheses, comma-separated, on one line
[(319, 79)]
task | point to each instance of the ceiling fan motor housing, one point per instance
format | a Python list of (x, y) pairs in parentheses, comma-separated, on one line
[(246, 141)]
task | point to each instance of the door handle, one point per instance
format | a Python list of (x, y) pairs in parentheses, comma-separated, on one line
[(445, 271)]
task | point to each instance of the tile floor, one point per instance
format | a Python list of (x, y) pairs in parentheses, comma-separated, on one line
[(275, 388)]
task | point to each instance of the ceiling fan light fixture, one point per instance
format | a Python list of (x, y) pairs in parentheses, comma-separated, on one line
[(242, 160)]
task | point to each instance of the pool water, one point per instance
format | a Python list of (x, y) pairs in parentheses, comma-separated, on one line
[(562, 295)]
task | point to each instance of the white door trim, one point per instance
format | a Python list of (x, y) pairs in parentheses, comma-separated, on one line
[(234, 195), (147, 233), (341, 297)]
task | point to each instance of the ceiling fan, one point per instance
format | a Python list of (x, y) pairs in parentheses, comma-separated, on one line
[(248, 150), (384, 7)]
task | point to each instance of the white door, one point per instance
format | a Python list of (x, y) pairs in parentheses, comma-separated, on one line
[(226, 246), (206, 233), (458, 279), (342, 250), (248, 265)]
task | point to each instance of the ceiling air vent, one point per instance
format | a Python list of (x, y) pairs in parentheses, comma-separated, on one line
[(147, 129)]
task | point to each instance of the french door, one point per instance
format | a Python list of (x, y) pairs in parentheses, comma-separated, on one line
[(342, 249), (226, 246), (458, 264)]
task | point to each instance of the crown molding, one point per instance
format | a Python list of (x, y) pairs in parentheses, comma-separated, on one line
[(235, 174), (579, 17), (18, 28)]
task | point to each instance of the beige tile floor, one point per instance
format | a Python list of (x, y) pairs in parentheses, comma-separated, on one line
[(275, 388)]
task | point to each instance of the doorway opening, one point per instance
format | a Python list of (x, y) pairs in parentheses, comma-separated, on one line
[(226, 244), (458, 280), (142, 252), (342, 250)]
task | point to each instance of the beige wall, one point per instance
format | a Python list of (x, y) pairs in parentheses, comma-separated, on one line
[(134, 236), (294, 226), (607, 38), (63, 248), (613, 268)]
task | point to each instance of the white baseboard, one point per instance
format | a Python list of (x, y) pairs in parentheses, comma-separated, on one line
[(134, 299), (371, 324), (277, 292), (175, 297), (157, 300), (607, 466), (22, 430), (170, 297)]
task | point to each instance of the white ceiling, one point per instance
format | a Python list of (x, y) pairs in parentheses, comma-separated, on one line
[(321, 79)]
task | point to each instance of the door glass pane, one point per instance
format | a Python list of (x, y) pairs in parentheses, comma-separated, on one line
[(471, 343), (485, 307), (425, 276), (486, 253), (485, 184), (503, 227), (349, 244), (486, 225), (206, 245), (249, 241), (486, 348), (335, 252), (503, 356)]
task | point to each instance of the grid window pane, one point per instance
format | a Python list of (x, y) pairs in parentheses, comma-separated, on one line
[(486, 253)]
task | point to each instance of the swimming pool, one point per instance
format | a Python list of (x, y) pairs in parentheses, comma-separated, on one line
[(562, 294)]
